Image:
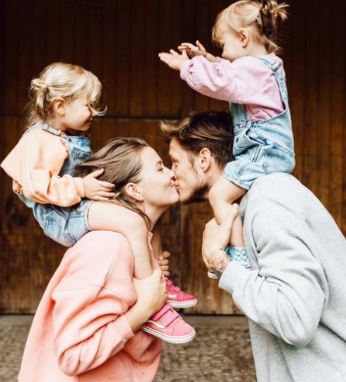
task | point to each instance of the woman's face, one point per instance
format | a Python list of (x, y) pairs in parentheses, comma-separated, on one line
[(157, 181)]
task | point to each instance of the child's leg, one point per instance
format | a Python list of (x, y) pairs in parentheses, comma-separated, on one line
[(160, 255), (112, 217), (220, 196), (165, 324), (156, 242)]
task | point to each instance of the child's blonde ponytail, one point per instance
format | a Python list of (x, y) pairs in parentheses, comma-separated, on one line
[(262, 17), (271, 14)]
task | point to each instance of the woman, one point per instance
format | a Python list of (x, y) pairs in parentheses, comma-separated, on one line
[(86, 327)]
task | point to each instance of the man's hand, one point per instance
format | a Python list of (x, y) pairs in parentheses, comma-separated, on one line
[(173, 59), (216, 238)]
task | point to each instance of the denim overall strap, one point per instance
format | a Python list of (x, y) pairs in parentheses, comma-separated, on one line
[(46, 127), (52, 130), (279, 76)]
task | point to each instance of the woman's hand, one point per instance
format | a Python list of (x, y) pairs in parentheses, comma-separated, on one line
[(95, 189), (151, 296), (163, 261), (173, 59)]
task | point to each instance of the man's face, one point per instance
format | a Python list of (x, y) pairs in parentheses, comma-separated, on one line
[(191, 181)]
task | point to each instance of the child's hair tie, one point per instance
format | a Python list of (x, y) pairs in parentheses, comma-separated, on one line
[(39, 85)]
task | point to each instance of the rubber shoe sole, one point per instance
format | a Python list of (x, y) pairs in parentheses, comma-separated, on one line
[(172, 340), (182, 304)]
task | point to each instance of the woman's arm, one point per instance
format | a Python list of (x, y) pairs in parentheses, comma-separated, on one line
[(92, 322)]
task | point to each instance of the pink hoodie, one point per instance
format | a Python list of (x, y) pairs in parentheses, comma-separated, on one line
[(246, 81), (79, 332)]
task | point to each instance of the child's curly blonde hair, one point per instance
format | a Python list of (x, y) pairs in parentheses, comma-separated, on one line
[(61, 80)]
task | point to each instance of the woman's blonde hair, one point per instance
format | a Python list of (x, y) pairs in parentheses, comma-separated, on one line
[(61, 80), (120, 158), (262, 17)]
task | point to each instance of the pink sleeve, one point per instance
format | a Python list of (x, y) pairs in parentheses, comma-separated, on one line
[(246, 81), (89, 326), (41, 163)]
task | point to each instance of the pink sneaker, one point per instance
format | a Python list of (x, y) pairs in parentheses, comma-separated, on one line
[(177, 298), (169, 326)]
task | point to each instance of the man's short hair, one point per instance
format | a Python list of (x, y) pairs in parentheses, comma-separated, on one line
[(207, 129)]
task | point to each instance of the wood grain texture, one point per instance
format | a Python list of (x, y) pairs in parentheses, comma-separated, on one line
[(119, 41)]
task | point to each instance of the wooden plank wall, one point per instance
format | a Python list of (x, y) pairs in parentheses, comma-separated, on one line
[(119, 41)]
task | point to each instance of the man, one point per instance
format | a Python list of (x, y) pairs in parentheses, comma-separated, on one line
[(294, 295)]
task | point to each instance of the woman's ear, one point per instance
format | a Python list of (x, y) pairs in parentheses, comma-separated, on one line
[(204, 159), (134, 192), (244, 37), (59, 106)]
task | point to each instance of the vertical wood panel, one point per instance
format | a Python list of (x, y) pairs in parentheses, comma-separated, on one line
[(336, 185), (311, 162), (151, 62), (296, 71)]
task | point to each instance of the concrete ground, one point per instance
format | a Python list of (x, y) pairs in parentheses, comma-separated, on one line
[(219, 353)]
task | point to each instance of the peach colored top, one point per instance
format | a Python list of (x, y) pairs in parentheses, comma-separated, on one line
[(79, 332), (34, 165)]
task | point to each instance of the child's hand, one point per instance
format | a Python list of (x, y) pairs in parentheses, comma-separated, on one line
[(97, 189), (193, 50), (173, 59), (164, 263)]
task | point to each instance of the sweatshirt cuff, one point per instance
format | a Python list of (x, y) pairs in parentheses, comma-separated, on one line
[(184, 69), (80, 187), (123, 328), (231, 276)]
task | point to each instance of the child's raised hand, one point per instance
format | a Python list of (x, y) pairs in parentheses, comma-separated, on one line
[(173, 59), (97, 189), (193, 50)]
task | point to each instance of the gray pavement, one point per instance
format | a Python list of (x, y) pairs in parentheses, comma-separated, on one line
[(219, 353)]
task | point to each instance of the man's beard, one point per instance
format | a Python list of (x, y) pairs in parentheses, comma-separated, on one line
[(199, 194)]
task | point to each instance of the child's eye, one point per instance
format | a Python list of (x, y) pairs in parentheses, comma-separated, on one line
[(160, 169)]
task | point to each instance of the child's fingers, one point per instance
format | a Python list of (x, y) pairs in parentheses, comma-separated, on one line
[(199, 45), (165, 57), (165, 255), (188, 45), (96, 173), (108, 195), (173, 52), (106, 185), (99, 198)]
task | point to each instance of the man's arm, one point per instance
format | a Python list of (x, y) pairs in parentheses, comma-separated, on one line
[(287, 292)]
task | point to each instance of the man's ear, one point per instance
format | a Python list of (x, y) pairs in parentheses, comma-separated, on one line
[(134, 192), (59, 106), (204, 159), (244, 37)]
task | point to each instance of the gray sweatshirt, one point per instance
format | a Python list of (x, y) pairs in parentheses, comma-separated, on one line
[(295, 294)]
